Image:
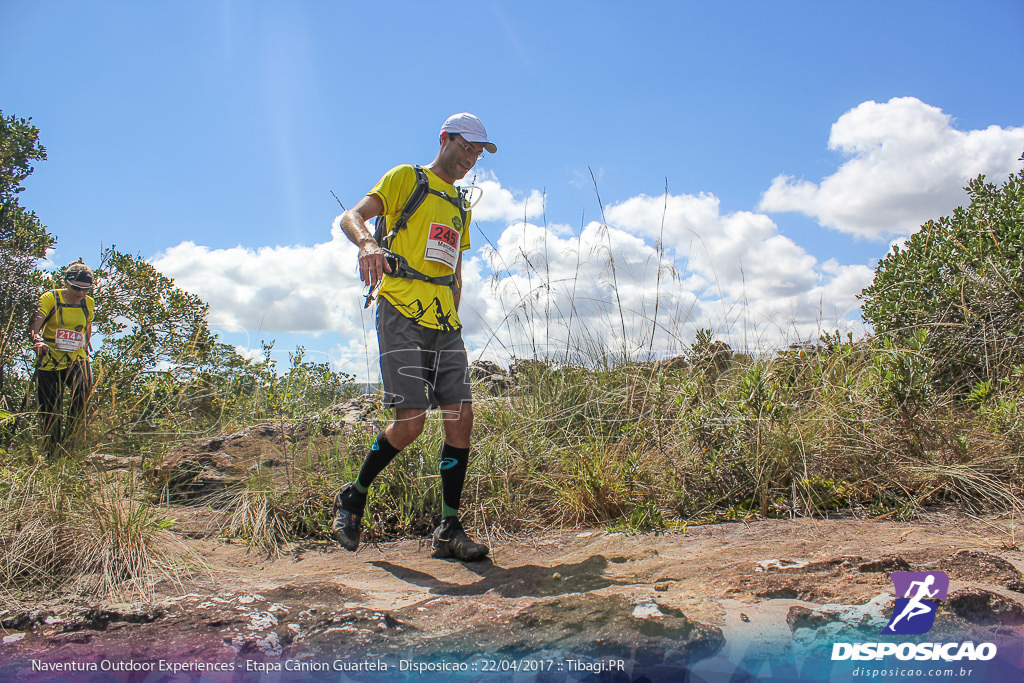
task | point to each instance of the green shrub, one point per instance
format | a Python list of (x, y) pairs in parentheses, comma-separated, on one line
[(960, 278)]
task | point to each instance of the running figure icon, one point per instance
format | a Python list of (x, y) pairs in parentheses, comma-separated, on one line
[(920, 591), (915, 607)]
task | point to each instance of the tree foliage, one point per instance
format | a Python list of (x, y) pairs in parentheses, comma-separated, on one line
[(161, 372), (153, 339), (20, 229), (23, 241), (958, 285)]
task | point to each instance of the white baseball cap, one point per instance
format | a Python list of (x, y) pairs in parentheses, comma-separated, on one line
[(470, 128)]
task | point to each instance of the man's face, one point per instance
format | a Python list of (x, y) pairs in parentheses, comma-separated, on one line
[(461, 155), (74, 294)]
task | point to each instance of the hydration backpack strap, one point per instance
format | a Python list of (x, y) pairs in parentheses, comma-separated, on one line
[(58, 303), (414, 202), (401, 268), (419, 193), (399, 265)]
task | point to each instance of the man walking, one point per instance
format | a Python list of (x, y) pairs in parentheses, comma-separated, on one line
[(416, 261), (61, 336)]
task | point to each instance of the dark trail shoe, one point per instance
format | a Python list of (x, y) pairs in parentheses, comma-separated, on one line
[(450, 540), (348, 516)]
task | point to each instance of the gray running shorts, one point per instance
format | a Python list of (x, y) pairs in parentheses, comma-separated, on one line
[(420, 367)]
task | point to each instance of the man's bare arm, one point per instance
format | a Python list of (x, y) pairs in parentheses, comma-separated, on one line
[(372, 265), (35, 325)]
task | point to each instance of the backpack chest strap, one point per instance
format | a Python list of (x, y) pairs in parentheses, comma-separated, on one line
[(400, 268)]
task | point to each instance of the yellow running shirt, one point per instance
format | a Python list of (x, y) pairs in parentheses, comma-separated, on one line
[(65, 331), (432, 242)]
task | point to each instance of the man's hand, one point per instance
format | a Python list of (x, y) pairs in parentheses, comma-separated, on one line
[(40, 348), (372, 264)]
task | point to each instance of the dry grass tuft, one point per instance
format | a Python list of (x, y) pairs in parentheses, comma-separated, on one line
[(63, 529)]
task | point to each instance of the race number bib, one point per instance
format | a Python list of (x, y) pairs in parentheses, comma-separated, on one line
[(69, 340), (443, 245)]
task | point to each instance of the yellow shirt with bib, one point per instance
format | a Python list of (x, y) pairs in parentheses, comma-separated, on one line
[(65, 330), (432, 242)]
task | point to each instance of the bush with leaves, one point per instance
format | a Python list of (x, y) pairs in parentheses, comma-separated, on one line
[(307, 387), (156, 362), (961, 278), (23, 241)]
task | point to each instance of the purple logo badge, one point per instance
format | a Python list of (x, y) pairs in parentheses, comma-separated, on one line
[(917, 595)]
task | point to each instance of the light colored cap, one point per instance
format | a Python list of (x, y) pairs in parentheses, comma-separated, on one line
[(470, 128)]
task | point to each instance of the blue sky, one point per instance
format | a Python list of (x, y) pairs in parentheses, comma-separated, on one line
[(798, 140)]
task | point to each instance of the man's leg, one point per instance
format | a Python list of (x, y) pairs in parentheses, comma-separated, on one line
[(450, 539), (49, 388), (350, 502), (404, 376), (79, 380), (458, 426), (396, 436)]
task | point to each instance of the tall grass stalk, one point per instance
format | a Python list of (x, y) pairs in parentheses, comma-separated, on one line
[(612, 268)]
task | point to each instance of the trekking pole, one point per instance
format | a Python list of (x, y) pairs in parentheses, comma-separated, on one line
[(338, 200), (369, 297)]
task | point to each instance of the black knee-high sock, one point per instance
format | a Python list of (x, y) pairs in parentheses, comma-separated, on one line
[(381, 453), (453, 476)]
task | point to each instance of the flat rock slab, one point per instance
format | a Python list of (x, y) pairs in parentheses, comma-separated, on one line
[(663, 599)]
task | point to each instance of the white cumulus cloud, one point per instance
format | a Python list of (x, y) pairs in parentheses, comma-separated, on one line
[(612, 288), (661, 268), (906, 163), (497, 203), (271, 289)]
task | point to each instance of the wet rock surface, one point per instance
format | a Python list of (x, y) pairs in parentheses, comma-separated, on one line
[(985, 608), (612, 626), (978, 565)]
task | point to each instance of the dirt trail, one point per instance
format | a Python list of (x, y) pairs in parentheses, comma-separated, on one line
[(716, 592)]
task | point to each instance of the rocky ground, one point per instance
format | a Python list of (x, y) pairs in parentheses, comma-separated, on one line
[(731, 592), (579, 602)]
